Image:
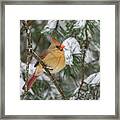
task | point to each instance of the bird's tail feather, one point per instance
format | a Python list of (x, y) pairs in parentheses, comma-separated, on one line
[(30, 82)]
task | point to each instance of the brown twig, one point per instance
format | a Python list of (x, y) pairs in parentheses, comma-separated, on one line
[(28, 42), (85, 47), (28, 45)]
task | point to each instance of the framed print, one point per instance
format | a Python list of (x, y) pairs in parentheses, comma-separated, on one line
[(60, 59)]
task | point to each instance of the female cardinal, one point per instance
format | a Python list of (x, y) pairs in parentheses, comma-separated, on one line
[(53, 58)]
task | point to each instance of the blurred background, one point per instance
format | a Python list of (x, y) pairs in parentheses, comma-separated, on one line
[(82, 66)]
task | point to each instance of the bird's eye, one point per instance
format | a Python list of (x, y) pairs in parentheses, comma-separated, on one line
[(58, 47)]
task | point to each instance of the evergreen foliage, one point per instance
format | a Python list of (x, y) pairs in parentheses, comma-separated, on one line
[(73, 79)]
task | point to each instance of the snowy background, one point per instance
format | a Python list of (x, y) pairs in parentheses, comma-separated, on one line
[(82, 54)]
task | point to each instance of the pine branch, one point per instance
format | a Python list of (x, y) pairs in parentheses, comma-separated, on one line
[(85, 47), (28, 42)]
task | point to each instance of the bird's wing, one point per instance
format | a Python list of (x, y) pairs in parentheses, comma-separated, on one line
[(55, 60)]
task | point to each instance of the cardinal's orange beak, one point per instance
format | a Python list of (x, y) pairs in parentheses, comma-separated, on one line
[(62, 46)]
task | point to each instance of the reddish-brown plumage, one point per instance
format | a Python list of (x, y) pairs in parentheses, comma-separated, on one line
[(31, 81), (53, 57)]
